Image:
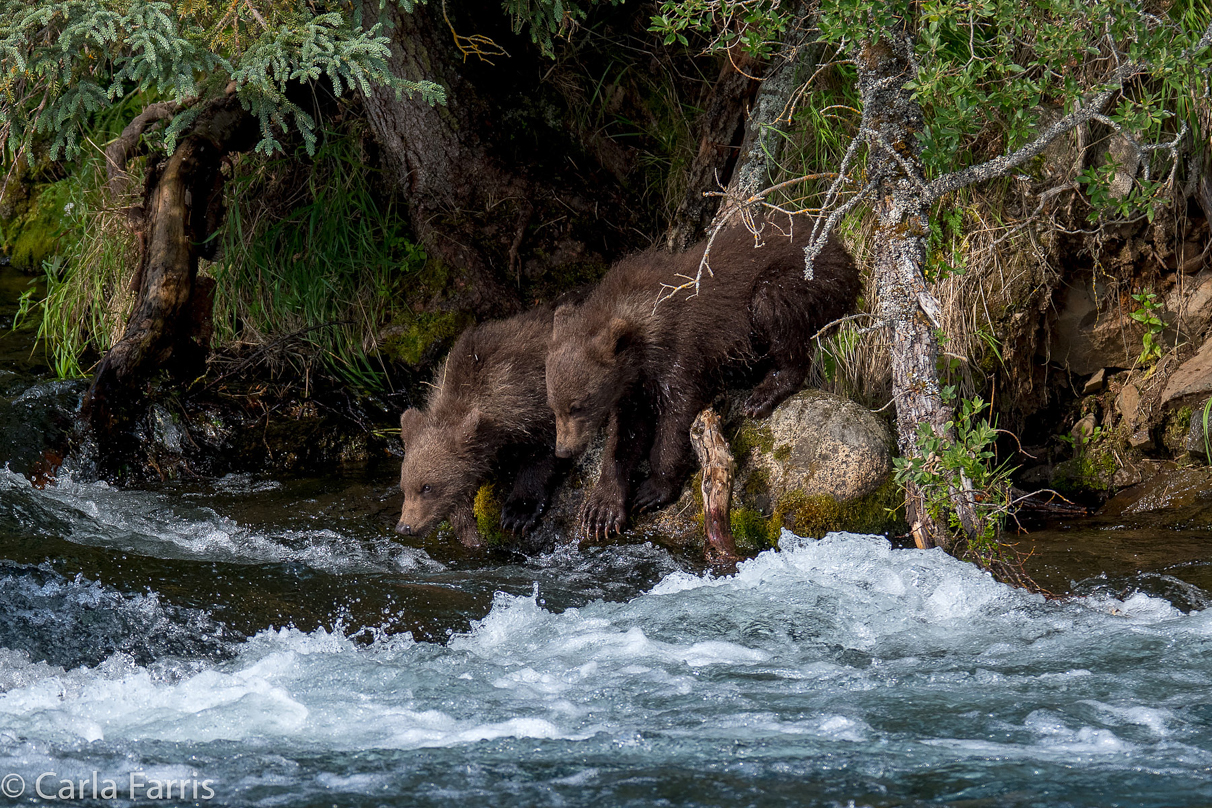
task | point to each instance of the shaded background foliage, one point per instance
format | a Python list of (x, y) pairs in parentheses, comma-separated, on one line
[(319, 272)]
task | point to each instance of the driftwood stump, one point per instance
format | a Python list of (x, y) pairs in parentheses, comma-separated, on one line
[(718, 467)]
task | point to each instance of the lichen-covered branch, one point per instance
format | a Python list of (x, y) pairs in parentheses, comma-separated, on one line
[(1003, 164)]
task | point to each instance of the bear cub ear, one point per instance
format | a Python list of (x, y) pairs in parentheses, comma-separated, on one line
[(562, 314), (616, 337), (471, 424), (411, 421)]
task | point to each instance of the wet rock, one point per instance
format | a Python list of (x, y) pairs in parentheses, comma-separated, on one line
[(1141, 440), (1199, 436), (1088, 337), (166, 432), (1193, 377), (1127, 476), (1036, 477), (1174, 488), (819, 463)]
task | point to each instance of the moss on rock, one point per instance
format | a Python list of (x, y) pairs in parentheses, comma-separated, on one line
[(1090, 473), (751, 436), (815, 515), (487, 511), (31, 235), (1174, 433), (412, 342), (751, 531)]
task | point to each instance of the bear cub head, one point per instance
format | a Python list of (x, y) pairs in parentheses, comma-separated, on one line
[(438, 473), (587, 372)]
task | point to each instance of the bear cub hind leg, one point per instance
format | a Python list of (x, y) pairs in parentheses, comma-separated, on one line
[(780, 317)]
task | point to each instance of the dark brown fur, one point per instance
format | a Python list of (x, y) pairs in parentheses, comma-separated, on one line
[(487, 413), (646, 371)]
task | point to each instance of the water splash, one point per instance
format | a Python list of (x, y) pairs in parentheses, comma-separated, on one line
[(833, 671)]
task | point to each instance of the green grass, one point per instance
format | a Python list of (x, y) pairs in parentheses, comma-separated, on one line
[(88, 296), (310, 260), (308, 250)]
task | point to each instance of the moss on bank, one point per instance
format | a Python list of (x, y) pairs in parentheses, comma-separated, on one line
[(31, 234), (487, 510), (413, 338), (814, 516)]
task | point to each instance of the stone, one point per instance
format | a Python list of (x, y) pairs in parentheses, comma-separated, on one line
[(1095, 383), (1190, 257), (1087, 337), (1198, 437), (816, 453), (1127, 476), (1127, 403), (1141, 440), (1189, 305), (1176, 488), (1193, 377), (1036, 477), (826, 444), (1083, 429), (166, 432)]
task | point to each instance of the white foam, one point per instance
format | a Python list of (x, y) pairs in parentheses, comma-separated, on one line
[(837, 641), (162, 526)]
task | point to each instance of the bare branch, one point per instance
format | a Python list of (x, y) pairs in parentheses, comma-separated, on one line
[(846, 319), (1001, 165)]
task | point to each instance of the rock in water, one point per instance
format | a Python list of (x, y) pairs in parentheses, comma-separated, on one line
[(820, 462), (824, 444)]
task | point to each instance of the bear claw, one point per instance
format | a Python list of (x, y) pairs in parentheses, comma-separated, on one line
[(759, 405), (521, 515), (652, 495), (600, 516)]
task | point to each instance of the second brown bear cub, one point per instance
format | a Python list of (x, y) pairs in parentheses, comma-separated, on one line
[(487, 414), (646, 370)]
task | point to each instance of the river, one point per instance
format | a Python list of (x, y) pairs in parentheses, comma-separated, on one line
[(268, 641)]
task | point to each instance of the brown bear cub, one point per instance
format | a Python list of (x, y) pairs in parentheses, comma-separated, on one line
[(487, 415), (646, 370)]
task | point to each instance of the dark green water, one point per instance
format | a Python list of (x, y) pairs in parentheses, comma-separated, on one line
[(270, 642)]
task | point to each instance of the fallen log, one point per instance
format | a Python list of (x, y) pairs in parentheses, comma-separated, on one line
[(181, 208)]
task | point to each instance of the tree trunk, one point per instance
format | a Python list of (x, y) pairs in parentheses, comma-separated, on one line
[(722, 134), (180, 208), (892, 120), (494, 199)]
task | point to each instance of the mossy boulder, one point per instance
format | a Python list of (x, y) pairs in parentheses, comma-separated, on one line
[(30, 235), (819, 463), (821, 444)]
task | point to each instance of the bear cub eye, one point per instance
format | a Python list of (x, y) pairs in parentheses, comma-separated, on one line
[(425, 489)]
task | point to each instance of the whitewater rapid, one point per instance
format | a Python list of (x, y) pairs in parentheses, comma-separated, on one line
[(833, 670)]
